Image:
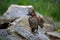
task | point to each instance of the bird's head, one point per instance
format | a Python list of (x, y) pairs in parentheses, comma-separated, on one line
[(31, 12)]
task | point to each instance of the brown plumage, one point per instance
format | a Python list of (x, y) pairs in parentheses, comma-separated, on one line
[(40, 21), (33, 21), (33, 24)]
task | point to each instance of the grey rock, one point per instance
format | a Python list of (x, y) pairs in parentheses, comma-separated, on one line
[(16, 11), (4, 34), (54, 34), (22, 28), (28, 35), (48, 24), (14, 36)]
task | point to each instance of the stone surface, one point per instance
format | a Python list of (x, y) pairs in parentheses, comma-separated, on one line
[(48, 24), (48, 27), (28, 35), (55, 34), (4, 34), (22, 28), (16, 11), (14, 36), (20, 21)]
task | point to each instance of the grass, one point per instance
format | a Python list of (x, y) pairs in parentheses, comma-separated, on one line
[(45, 7)]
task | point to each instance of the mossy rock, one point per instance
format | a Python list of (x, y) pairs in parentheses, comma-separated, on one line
[(58, 30)]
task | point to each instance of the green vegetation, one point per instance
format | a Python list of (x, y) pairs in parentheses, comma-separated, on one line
[(58, 29), (0, 38), (45, 7)]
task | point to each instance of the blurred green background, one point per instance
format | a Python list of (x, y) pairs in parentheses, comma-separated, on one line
[(45, 7)]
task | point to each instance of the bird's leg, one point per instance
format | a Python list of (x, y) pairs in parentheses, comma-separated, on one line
[(33, 30), (36, 30)]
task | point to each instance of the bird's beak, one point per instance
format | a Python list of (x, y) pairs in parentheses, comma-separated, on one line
[(28, 14)]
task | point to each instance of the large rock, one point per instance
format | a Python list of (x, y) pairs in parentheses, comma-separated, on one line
[(20, 21), (48, 27), (28, 35), (21, 27), (54, 35), (16, 11), (48, 24), (13, 12)]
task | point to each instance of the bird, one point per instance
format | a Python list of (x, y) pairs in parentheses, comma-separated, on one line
[(33, 21)]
